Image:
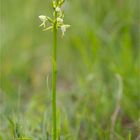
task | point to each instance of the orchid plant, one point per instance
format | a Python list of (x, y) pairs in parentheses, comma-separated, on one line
[(58, 15), (55, 23)]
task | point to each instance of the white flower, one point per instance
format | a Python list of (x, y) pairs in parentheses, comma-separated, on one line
[(43, 19), (60, 20), (63, 29), (57, 9)]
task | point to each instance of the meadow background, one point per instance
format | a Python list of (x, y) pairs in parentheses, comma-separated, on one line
[(98, 70)]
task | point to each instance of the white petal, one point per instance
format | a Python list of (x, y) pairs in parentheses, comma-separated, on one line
[(42, 18)]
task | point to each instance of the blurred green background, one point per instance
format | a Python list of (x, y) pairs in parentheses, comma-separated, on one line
[(103, 41)]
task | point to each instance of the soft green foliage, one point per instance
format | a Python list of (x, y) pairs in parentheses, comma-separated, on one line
[(103, 41)]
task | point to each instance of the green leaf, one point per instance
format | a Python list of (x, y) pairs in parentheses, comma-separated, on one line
[(48, 28)]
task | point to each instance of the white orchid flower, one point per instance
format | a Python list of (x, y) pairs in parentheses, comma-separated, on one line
[(63, 29), (43, 19), (60, 20), (59, 11)]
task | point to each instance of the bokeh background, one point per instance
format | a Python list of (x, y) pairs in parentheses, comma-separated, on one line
[(102, 42)]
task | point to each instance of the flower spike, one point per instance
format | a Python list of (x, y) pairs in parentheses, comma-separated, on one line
[(58, 18)]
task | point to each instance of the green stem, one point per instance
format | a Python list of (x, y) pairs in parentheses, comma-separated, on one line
[(54, 77)]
